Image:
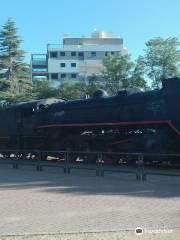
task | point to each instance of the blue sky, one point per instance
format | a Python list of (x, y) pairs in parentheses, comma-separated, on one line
[(136, 21)]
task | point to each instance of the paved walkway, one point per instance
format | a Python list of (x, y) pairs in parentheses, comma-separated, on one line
[(46, 202)]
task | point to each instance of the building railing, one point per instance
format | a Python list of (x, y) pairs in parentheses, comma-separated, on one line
[(40, 56), (59, 46), (39, 60), (36, 70)]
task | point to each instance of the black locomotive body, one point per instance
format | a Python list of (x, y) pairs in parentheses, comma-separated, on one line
[(17, 123), (132, 121)]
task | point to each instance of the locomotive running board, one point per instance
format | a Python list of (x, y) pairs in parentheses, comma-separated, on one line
[(167, 122)]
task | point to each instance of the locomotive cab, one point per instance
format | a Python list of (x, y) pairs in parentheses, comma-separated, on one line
[(171, 84)]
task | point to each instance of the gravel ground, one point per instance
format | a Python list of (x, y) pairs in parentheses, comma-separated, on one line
[(35, 204)]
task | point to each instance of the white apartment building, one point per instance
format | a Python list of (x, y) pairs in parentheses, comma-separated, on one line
[(76, 59)]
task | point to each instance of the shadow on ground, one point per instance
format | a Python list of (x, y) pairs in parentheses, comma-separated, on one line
[(81, 183)]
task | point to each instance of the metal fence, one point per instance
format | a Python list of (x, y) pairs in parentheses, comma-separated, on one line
[(99, 162)]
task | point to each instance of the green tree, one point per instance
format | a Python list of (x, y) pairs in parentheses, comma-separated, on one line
[(117, 71), (94, 83), (43, 89), (14, 76), (137, 78), (14, 97), (162, 59), (70, 90)]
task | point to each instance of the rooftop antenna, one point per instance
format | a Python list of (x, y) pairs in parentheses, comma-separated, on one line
[(65, 35), (95, 33)]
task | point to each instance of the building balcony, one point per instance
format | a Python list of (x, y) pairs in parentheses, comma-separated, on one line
[(39, 60)]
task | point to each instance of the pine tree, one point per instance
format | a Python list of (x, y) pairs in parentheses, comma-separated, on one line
[(14, 73)]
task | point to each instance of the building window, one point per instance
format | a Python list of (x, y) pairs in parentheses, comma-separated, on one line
[(73, 75), (63, 65), (53, 55), (54, 76), (62, 54), (63, 75), (73, 64), (73, 54), (93, 54), (81, 54)]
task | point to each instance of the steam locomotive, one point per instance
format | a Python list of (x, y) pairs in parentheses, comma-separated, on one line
[(131, 121)]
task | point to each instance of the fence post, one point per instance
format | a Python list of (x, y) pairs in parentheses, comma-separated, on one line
[(38, 166), (65, 162), (141, 173), (67, 168), (138, 170), (15, 165), (101, 165), (99, 162)]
